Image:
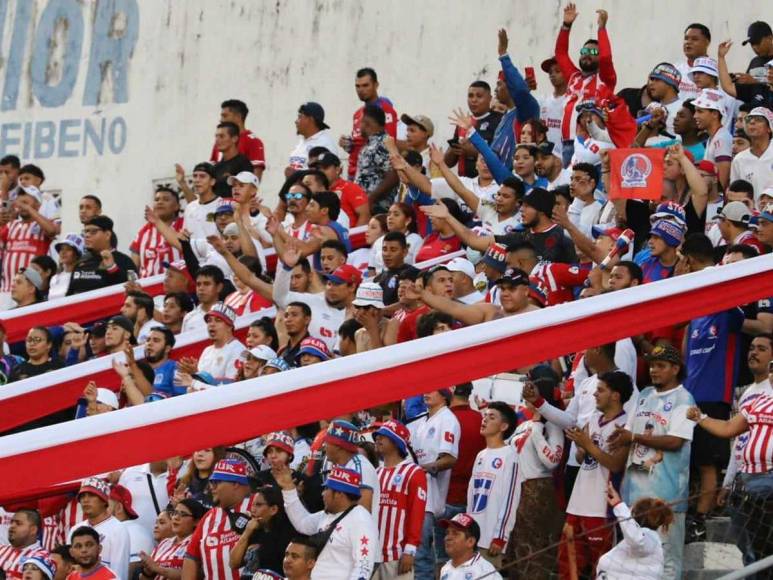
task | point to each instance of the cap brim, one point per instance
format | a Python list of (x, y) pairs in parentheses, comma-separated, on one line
[(379, 305), (312, 351), (335, 486), (547, 63), (334, 279), (220, 316)]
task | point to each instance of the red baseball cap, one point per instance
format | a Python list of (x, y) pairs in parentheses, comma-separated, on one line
[(123, 496), (345, 274)]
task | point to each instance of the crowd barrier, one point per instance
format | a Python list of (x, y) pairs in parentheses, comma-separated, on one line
[(44, 457)]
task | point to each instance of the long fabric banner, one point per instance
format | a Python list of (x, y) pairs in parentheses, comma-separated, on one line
[(237, 412)]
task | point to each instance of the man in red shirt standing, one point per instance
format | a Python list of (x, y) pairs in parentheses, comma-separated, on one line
[(235, 111), (209, 551), (594, 79), (85, 548), (366, 85), (27, 236), (149, 250), (354, 200)]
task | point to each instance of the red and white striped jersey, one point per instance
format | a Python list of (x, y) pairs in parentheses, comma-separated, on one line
[(70, 515), (214, 537), (246, 302), (302, 233), (558, 280), (758, 453), (401, 508), (21, 241), (170, 553), (10, 559), (153, 249), (53, 533)]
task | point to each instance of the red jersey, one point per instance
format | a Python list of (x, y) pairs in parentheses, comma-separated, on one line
[(470, 444), (249, 146), (153, 249), (214, 537), (401, 509), (352, 197), (101, 572), (53, 534), (358, 140), (247, 302), (407, 329), (757, 455), (21, 241), (558, 280), (435, 246), (582, 87), (169, 553), (10, 559), (748, 238)]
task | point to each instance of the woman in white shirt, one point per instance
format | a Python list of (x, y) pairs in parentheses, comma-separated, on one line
[(400, 218), (360, 258), (640, 553), (70, 249)]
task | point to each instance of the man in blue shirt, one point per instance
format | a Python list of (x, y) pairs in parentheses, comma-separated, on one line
[(711, 354), (157, 347)]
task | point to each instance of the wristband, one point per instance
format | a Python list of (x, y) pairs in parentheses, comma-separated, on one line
[(409, 550), (539, 402), (702, 418), (499, 543)]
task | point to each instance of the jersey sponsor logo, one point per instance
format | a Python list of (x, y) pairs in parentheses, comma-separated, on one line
[(422, 494), (448, 436), (481, 487)]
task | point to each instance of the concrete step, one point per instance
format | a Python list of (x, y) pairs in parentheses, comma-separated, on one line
[(707, 560), (718, 530)]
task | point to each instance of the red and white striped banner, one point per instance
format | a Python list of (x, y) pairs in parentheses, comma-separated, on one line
[(36, 460)]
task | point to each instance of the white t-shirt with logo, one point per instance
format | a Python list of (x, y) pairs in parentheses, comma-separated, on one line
[(195, 218), (719, 147), (430, 437), (491, 222), (220, 361), (440, 189), (299, 156), (492, 496), (552, 114)]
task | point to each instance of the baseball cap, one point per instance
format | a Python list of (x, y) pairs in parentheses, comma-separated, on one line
[(219, 210), (278, 363), (280, 440), (343, 480), (767, 213), (543, 374), (42, 560), (75, 241), (541, 199), (514, 276), (244, 177), (344, 434), (421, 120), (33, 276), (122, 322), (707, 167), (223, 312), (231, 470), (315, 111), (735, 211), (462, 265), (547, 63), (712, 99), (756, 32), (102, 222), (496, 257), (667, 73), (314, 347), (763, 112), (397, 433), (98, 330), (665, 352), (345, 274), (547, 148), (206, 167), (369, 294), (463, 522), (326, 160), (260, 352), (704, 64), (123, 496), (95, 486), (107, 397), (32, 191), (669, 232), (231, 230)]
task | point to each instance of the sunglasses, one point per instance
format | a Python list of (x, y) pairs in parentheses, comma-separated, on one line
[(297, 196), (589, 51)]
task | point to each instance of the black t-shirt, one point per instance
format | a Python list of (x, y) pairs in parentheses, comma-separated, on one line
[(552, 245), (26, 370), (388, 282), (267, 547), (225, 169), (88, 275), (485, 127), (755, 94)]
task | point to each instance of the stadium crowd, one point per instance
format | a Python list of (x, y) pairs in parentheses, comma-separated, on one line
[(512, 216)]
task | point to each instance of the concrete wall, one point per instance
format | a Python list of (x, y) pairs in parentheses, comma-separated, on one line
[(143, 79)]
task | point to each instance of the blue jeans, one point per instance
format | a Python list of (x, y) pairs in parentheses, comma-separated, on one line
[(673, 548), (751, 510)]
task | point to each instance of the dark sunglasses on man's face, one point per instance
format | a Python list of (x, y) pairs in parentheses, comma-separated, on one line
[(586, 51), (297, 196)]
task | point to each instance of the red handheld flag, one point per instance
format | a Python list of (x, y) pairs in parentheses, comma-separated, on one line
[(636, 173)]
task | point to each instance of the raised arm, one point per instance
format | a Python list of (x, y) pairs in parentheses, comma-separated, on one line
[(451, 178), (465, 234), (469, 314), (606, 67), (526, 106), (241, 271), (565, 63), (498, 170), (725, 80), (183, 184), (167, 231)]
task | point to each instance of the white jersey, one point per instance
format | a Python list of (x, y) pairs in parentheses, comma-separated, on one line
[(475, 567), (552, 114), (492, 496), (325, 319), (135, 479), (115, 542), (299, 156), (739, 443), (440, 189), (376, 261), (719, 147), (639, 555), (540, 447), (491, 222), (563, 178), (430, 437), (220, 362), (352, 549), (584, 215), (756, 170), (195, 217), (140, 540), (589, 495), (687, 88), (194, 320), (587, 150), (672, 108)]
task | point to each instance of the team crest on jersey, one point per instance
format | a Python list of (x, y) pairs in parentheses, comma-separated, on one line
[(481, 487), (713, 331), (431, 432), (397, 479), (635, 170), (694, 333), (497, 463), (468, 576), (668, 405)]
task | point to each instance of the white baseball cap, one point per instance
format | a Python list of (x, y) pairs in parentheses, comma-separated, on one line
[(107, 397), (735, 211), (369, 294), (244, 177), (462, 265), (704, 64), (712, 99), (260, 352), (32, 191)]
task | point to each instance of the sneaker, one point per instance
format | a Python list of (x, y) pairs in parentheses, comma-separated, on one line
[(696, 531)]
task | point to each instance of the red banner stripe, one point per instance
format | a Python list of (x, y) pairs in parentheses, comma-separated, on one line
[(238, 412)]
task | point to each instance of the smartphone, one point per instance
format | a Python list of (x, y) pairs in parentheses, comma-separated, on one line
[(529, 70)]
